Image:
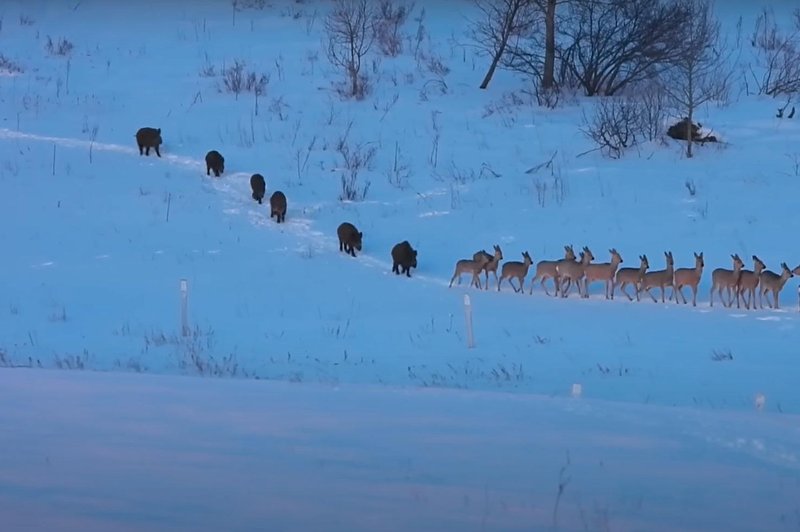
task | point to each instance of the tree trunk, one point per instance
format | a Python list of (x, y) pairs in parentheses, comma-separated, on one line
[(493, 66), (689, 136), (548, 77)]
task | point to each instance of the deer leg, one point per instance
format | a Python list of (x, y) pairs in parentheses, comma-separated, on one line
[(544, 286), (663, 292), (522, 285), (624, 291), (511, 282), (694, 296), (499, 283)]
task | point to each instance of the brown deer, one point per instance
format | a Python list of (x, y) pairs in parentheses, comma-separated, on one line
[(491, 265), (634, 276), (689, 277), (724, 278), (772, 282), (603, 271), (546, 269), (748, 282), (515, 269), (569, 271), (472, 266), (659, 278)]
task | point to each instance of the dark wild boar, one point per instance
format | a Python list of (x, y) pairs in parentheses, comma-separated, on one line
[(259, 187), (216, 162), (277, 206), (349, 238), (148, 137), (403, 257)]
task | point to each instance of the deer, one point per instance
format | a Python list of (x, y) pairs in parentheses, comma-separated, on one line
[(724, 278), (748, 282), (772, 282), (569, 271), (517, 269), (634, 276), (473, 266), (689, 277), (546, 269), (659, 278), (603, 271), (491, 265)]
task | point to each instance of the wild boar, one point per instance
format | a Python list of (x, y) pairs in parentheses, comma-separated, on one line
[(148, 137), (349, 238), (277, 205), (216, 162), (403, 257), (259, 187)]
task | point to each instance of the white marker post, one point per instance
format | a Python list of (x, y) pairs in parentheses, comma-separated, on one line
[(468, 317), (184, 307), (577, 390), (760, 400)]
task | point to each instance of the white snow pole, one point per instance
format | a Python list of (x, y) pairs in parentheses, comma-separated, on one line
[(184, 307), (468, 317), (760, 400)]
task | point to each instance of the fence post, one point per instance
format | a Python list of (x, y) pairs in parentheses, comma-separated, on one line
[(468, 317), (184, 307)]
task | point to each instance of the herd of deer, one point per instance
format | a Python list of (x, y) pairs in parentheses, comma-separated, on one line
[(739, 283)]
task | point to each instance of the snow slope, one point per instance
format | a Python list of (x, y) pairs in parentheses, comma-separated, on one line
[(97, 238), (160, 453)]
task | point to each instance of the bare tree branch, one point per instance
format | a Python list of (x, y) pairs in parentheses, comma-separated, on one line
[(498, 22), (350, 29)]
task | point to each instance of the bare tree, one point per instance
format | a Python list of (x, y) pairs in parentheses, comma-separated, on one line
[(611, 44), (350, 29), (702, 72), (549, 71), (498, 22), (777, 55)]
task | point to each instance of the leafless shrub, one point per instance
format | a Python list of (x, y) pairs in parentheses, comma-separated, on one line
[(691, 187), (432, 86), (9, 66), (61, 47), (399, 172), (435, 65), (72, 362), (721, 355), (777, 56), (350, 29), (614, 125), (463, 176), (208, 71), (241, 5), (237, 80), (355, 159), (390, 20), (59, 315), (653, 110), (25, 20), (620, 122)]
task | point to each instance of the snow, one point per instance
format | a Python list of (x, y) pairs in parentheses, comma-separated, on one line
[(97, 239), (150, 452)]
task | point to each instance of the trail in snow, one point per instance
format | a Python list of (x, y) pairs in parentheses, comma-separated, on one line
[(235, 186)]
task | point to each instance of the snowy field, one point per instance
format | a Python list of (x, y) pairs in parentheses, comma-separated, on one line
[(97, 239)]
